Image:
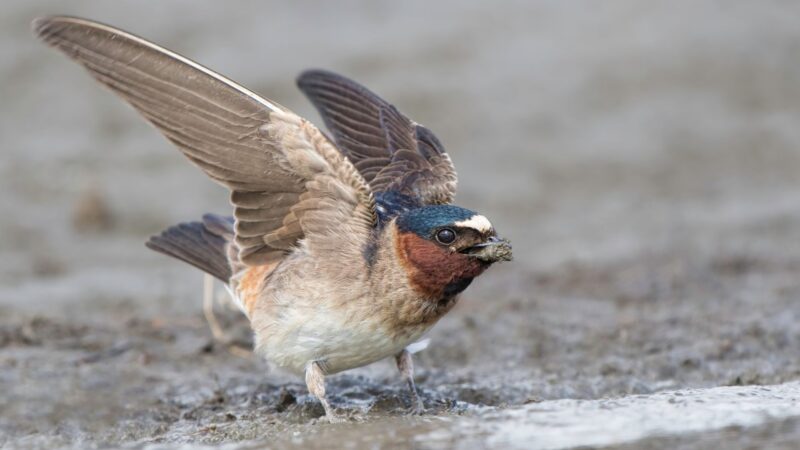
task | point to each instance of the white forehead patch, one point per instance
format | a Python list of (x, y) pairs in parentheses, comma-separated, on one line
[(476, 222)]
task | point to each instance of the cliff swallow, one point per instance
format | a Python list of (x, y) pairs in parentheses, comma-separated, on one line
[(341, 251)]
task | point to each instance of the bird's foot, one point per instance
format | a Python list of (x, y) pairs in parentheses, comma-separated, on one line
[(417, 407)]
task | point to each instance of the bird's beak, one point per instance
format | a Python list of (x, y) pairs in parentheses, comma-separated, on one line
[(493, 250)]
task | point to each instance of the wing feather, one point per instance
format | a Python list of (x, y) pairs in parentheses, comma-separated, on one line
[(389, 150), (288, 183)]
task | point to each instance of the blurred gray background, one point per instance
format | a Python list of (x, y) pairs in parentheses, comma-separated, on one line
[(586, 131), (643, 157)]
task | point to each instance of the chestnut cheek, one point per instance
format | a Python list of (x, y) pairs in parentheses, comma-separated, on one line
[(434, 271)]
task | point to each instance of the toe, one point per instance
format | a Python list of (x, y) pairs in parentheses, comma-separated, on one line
[(418, 408)]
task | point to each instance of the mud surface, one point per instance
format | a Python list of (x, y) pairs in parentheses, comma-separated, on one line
[(643, 160)]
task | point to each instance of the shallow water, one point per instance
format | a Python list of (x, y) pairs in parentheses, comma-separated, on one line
[(642, 159)]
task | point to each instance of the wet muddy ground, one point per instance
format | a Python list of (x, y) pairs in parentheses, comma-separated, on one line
[(644, 162)]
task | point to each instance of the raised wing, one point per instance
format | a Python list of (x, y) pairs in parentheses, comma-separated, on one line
[(391, 152), (287, 181)]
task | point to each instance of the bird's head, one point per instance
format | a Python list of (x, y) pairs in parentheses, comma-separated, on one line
[(443, 247)]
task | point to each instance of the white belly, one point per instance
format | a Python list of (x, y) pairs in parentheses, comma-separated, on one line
[(302, 335)]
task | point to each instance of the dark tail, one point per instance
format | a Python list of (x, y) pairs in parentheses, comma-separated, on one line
[(201, 244)]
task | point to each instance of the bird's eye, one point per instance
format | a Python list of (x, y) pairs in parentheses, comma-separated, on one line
[(446, 236)]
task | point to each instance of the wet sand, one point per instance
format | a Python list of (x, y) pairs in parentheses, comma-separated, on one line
[(644, 162)]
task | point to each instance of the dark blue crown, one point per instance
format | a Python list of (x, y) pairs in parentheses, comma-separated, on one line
[(423, 221)]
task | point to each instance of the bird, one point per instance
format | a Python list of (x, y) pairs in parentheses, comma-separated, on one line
[(343, 248)]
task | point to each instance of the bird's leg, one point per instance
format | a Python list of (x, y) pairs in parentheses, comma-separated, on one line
[(405, 364), (315, 380)]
